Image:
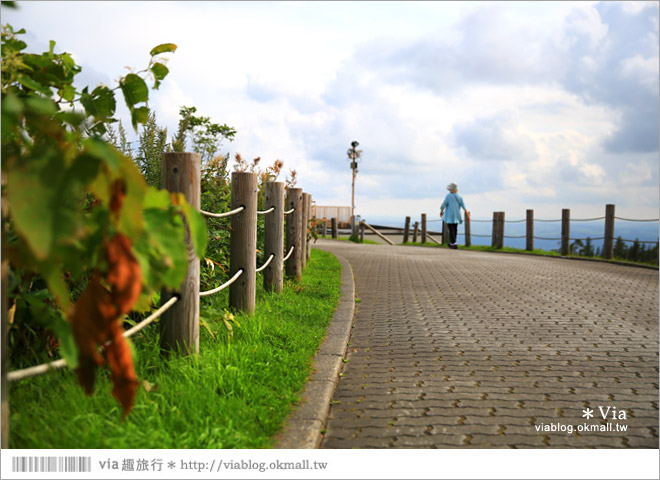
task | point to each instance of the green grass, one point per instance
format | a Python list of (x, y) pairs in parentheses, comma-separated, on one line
[(235, 394)]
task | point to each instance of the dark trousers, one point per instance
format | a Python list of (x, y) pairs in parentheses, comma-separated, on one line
[(453, 231)]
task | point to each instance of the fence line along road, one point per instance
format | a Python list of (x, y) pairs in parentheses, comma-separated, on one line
[(498, 221), (182, 175)]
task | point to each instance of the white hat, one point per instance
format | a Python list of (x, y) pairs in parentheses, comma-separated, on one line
[(452, 187)]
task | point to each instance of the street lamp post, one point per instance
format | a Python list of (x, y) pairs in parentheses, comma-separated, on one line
[(353, 155)]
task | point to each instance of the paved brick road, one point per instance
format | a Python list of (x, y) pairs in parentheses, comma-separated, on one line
[(459, 348)]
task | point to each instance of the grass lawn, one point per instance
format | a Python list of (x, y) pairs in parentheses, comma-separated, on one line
[(236, 394), (348, 239)]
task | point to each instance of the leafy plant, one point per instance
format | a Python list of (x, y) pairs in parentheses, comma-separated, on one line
[(80, 220)]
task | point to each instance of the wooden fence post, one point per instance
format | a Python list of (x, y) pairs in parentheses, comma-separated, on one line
[(310, 225), (530, 230), (293, 232), (324, 228), (362, 231), (415, 230), (608, 244), (468, 234), (445, 233), (304, 224), (333, 227), (493, 239), (498, 230), (406, 230), (180, 324), (274, 237), (243, 242), (565, 231), (423, 228)]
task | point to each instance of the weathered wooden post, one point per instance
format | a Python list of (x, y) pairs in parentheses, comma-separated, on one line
[(179, 325), (415, 230), (333, 227), (493, 238), (498, 230), (565, 231), (530, 230), (310, 226), (303, 225), (608, 243), (406, 230), (243, 242), (324, 228), (362, 231), (445, 233), (293, 232), (274, 237), (468, 232), (423, 228)]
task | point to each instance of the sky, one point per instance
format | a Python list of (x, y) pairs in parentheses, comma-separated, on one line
[(525, 105)]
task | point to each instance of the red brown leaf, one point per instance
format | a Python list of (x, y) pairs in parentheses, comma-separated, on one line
[(95, 322)]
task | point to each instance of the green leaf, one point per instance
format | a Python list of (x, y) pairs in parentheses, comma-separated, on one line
[(160, 71), (100, 104), (68, 349), (32, 84), (163, 48), (139, 115), (134, 89), (103, 151), (165, 230), (40, 105), (197, 226)]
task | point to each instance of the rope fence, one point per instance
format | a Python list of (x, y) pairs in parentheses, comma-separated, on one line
[(498, 222), (183, 318), (61, 363)]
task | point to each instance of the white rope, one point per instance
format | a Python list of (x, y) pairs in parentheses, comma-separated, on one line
[(271, 209), (221, 215), (286, 212), (151, 317), (263, 267), (223, 286), (61, 363), (288, 254)]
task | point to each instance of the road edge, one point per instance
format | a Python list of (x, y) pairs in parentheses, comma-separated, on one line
[(303, 428)]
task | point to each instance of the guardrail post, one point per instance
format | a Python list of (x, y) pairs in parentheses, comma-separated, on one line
[(243, 242), (608, 244), (179, 326), (333, 227), (423, 228), (415, 232), (565, 231), (530, 230), (406, 230), (304, 224), (294, 232), (468, 234), (274, 237)]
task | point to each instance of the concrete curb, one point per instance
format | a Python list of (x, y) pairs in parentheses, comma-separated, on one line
[(304, 425)]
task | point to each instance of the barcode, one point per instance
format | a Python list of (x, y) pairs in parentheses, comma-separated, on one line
[(51, 464)]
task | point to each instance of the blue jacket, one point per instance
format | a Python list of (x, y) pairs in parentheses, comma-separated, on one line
[(452, 208)]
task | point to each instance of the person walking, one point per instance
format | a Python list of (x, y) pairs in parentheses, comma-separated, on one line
[(452, 205)]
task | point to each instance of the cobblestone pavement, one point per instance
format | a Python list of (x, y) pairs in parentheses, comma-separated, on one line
[(473, 349)]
